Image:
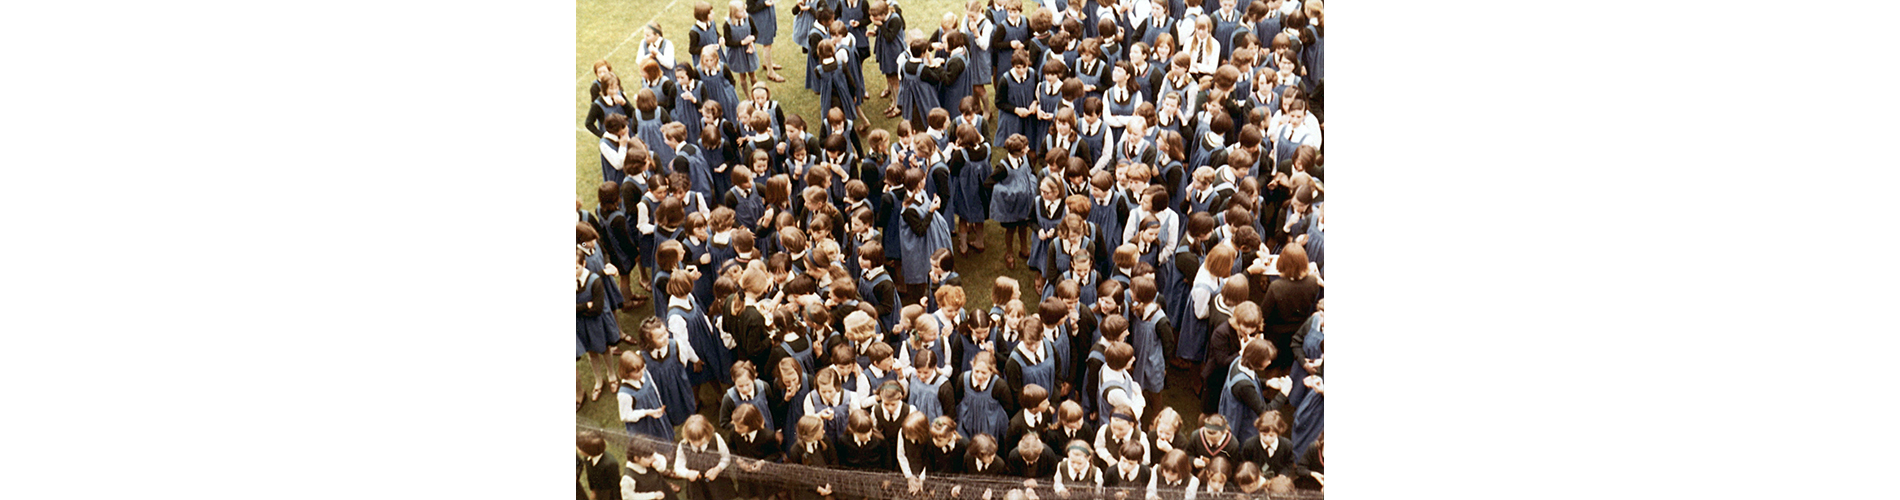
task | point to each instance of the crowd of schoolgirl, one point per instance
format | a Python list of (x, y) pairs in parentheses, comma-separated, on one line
[(1157, 164)]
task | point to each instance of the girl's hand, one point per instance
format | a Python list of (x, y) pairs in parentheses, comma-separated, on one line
[(689, 475), (713, 473), (699, 366), (824, 490), (610, 270), (827, 414)]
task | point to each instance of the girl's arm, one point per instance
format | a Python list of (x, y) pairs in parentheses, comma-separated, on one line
[(599, 304), (914, 220), (725, 457), (643, 220), (1200, 297), (595, 117), (731, 40)]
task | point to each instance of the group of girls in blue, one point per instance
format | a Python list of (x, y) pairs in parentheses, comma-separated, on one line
[(1156, 166)]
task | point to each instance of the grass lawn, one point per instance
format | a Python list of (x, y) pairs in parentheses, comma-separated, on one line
[(612, 29)]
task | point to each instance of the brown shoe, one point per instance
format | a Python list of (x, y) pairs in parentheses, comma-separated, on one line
[(775, 78)]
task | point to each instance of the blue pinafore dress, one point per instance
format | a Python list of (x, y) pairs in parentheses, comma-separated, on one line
[(1001, 54), (1149, 369), (979, 412), (1048, 98), (951, 94), (890, 52), (1021, 94), (702, 287), (1232, 408), (1042, 373), (867, 291), (596, 263), (1014, 197), (1192, 345), (1309, 408), (1104, 413), (736, 57), (966, 191), (647, 397), (715, 84), (834, 428), (686, 111), (706, 344), (834, 87), (1120, 102), (923, 395), (607, 171), (915, 96), (981, 62), (766, 22), (1046, 219), (1096, 140), (917, 249), (758, 401), (668, 376), (599, 332)]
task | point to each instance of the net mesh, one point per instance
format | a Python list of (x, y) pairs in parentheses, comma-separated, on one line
[(859, 484)]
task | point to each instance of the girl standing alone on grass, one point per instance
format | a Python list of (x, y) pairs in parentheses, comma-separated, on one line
[(1013, 199), (594, 322), (739, 32), (765, 23), (887, 27)]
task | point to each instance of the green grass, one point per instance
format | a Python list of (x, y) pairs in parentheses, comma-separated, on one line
[(602, 27)]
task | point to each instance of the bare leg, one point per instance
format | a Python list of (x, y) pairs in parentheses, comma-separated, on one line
[(772, 66)]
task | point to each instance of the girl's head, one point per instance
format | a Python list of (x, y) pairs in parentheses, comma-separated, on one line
[(790, 373), (983, 366), (1004, 290), (1292, 263), (811, 429), (982, 445), (744, 373), (1122, 422), (1270, 425), (632, 366), (602, 69), (977, 326), (1079, 455), (916, 427), (924, 331), (746, 418), (736, 9), (860, 424), (685, 73), (925, 363), (942, 261), (1220, 260), (1257, 355), (1176, 466), (943, 430), (826, 383), (1213, 427), (654, 331), (697, 430), (1051, 189), (709, 57)]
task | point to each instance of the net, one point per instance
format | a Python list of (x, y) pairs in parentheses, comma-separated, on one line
[(857, 484)]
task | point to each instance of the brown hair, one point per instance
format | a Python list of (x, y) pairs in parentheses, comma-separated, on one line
[(1292, 263)]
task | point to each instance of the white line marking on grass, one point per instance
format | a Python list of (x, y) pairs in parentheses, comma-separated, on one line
[(623, 42)]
